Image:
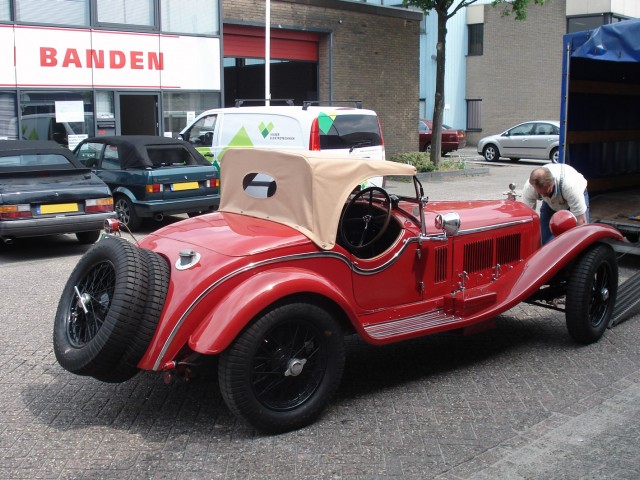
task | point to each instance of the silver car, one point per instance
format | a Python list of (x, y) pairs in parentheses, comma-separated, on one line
[(535, 140)]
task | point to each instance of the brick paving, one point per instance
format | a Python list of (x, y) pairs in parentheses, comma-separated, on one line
[(519, 402)]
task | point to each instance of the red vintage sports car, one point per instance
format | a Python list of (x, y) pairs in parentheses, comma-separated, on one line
[(295, 259)]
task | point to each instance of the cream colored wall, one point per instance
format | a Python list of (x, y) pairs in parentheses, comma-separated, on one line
[(627, 8)]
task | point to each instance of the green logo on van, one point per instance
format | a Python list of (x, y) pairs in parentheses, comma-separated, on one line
[(265, 129), (325, 121)]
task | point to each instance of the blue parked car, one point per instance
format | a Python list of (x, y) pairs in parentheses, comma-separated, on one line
[(152, 176)]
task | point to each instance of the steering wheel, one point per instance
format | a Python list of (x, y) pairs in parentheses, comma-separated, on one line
[(204, 139), (364, 218)]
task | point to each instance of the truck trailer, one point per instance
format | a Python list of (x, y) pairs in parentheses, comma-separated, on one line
[(600, 121), (600, 133)]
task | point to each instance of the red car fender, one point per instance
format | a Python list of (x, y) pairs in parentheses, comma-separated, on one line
[(241, 305), (544, 264)]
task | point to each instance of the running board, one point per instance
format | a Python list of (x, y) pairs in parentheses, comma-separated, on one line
[(405, 326), (628, 298)]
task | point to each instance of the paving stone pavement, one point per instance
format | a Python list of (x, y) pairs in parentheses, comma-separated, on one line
[(521, 401)]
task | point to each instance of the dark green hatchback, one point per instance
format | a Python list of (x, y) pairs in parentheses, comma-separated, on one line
[(152, 176)]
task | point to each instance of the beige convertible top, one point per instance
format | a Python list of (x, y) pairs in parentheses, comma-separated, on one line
[(310, 189)]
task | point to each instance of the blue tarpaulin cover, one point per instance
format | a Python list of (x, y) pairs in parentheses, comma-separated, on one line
[(616, 42), (600, 101)]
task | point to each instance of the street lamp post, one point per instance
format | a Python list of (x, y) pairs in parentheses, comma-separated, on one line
[(267, 54)]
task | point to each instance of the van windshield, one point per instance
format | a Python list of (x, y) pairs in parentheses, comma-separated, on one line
[(349, 131)]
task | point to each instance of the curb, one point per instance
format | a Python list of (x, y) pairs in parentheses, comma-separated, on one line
[(453, 173)]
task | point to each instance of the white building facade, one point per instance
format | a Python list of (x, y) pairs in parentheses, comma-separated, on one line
[(76, 68)]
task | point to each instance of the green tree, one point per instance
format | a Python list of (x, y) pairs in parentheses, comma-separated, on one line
[(445, 9)]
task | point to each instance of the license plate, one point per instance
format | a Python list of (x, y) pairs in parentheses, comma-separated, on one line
[(176, 187), (58, 208)]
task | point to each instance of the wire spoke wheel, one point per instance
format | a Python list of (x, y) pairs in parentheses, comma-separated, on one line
[(102, 308), (280, 372), (288, 366), (94, 293), (600, 295), (591, 294)]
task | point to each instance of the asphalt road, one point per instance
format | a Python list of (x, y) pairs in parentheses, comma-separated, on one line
[(519, 402)]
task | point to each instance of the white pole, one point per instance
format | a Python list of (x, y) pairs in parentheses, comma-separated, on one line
[(267, 54)]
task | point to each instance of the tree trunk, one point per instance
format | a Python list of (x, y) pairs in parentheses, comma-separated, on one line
[(438, 107)]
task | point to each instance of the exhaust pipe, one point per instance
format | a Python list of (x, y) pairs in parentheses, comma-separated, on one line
[(158, 217), (7, 240)]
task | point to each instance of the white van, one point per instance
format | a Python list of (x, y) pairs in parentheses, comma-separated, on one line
[(338, 131), (43, 126)]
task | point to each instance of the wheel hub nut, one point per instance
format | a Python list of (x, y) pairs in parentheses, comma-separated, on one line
[(295, 367)]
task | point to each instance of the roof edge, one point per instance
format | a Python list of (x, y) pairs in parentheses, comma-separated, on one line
[(405, 13)]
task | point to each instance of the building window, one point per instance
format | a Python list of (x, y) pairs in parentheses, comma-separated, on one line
[(58, 12), (589, 22), (422, 108), (181, 108), (5, 10), (105, 109), (189, 16), (476, 39), (579, 24), (121, 12), (8, 118), (474, 115), (39, 120)]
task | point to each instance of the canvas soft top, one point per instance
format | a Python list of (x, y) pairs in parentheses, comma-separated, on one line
[(310, 190), (25, 147), (133, 152), (37, 147)]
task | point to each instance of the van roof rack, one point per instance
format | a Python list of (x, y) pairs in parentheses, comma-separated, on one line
[(240, 101), (307, 103)]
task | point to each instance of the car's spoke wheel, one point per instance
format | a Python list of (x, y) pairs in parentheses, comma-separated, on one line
[(281, 371), (100, 308), (491, 153), (554, 156), (127, 213), (591, 294), (157, 287)]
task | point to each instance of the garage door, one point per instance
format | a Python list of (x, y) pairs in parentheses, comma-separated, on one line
[(248, 42)]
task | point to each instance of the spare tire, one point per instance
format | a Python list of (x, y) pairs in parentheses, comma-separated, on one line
[(100, 308), (157, 288)]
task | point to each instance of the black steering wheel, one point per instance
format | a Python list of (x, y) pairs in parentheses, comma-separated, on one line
[(361, 217), (205, 139)]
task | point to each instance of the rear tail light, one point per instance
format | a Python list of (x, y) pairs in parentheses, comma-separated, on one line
[(213, 183), (99, 205), (380, 130), (154, 188), (314, 140), (15, 211)]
